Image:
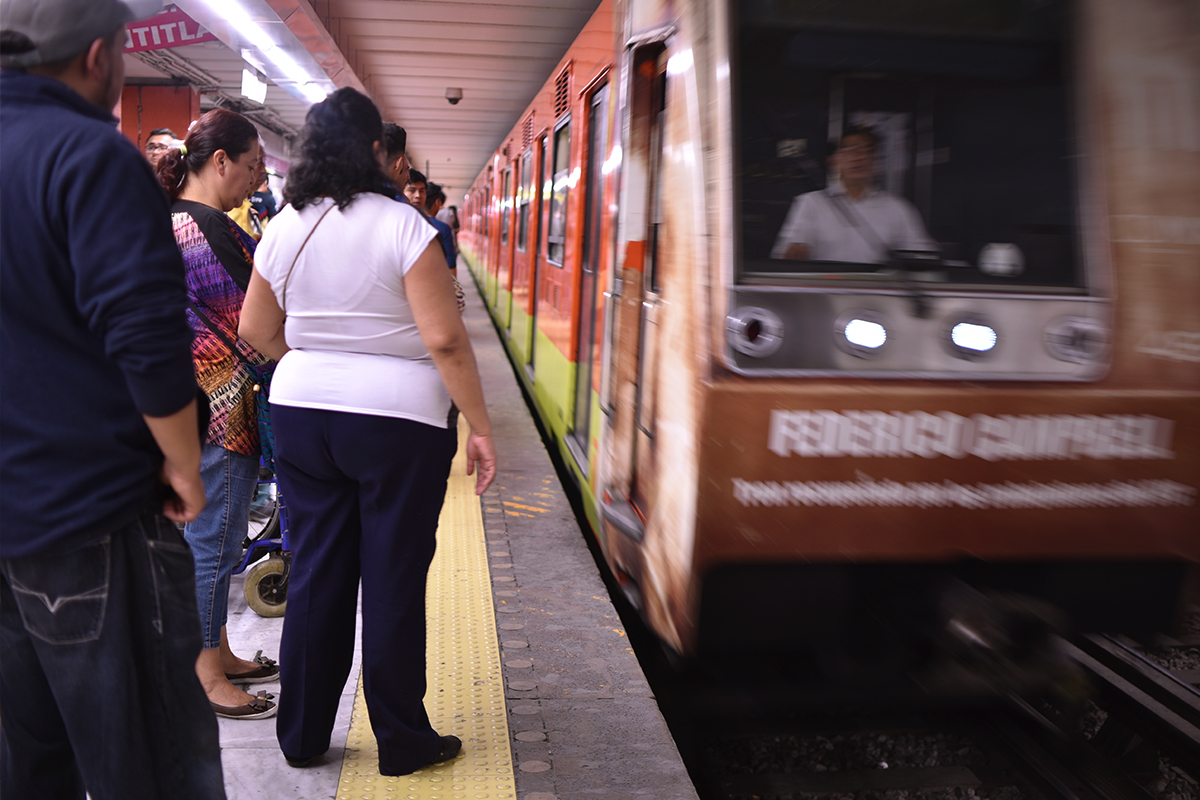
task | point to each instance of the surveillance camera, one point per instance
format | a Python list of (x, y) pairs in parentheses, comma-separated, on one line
[(453, 96)]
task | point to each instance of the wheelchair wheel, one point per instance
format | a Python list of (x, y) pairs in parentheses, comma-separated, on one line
[(266, 587)]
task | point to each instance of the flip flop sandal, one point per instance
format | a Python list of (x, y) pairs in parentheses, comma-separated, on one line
[(258, 708), (266, 671)]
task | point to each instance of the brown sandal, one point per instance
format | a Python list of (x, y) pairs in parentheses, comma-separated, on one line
[(267, 670), (258, 708)]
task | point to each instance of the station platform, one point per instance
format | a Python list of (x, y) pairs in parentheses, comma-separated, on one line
[(527, 660)]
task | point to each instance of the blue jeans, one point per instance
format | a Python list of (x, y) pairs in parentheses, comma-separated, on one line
[(230, 480), (98, 647)]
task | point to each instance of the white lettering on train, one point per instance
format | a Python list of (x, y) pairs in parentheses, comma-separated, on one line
[(1147, 228), (1174, 345), (1005, 437), (893, 494)]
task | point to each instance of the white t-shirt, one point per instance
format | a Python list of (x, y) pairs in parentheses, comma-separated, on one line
[(354, 344), (870, 227)]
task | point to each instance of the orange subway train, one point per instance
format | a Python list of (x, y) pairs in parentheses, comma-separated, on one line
[(848, 316)]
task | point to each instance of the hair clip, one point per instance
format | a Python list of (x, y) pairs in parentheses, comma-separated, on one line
[(181, 147)]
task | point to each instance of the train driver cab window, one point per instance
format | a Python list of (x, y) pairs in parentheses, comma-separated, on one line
[(879, 142), (556, 236)]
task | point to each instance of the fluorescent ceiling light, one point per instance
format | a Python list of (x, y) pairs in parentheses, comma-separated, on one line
[(253, 88), (307, 81), (314, 92)]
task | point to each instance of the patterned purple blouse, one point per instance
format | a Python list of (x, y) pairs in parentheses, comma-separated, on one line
[(218, 258)]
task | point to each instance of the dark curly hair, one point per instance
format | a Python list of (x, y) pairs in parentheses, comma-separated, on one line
[(219, 129), (337, 156)]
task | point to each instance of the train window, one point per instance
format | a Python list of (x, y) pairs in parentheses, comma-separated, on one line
[(658, 100), (487, 210), (505, 205), (882, 141), (556, 236), (524, 198)]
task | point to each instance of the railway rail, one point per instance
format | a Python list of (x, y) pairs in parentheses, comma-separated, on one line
[(1147, 747)]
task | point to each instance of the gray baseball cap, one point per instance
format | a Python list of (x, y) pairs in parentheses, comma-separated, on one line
[(59, 29)]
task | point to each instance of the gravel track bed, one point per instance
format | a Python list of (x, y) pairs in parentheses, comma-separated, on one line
[(743, 755)]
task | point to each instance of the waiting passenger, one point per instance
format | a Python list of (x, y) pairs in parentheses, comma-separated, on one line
[(157, 144), (262, 199), (246, 215), (98, 441), (375, 364), (851, 219), (395, 139), (449, 215), (435, 198), (211, 174), (417, 192)]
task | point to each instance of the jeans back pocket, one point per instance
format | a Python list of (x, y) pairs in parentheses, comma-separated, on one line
[(62, 597)]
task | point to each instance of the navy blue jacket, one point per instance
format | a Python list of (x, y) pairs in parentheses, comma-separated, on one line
[(446, 235), (92, 327)]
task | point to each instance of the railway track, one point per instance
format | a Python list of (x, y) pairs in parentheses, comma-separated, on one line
[(1007, 751)]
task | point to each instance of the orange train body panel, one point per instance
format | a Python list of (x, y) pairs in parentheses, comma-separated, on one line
[(540, 286)]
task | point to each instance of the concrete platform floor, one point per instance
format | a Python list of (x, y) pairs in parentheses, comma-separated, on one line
[(584, 722)]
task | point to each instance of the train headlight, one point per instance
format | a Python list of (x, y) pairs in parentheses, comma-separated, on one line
[(1079, 340), (970, 337), (861, 332), (754, 331)]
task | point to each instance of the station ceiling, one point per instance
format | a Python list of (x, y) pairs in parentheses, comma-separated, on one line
[(405, 54)]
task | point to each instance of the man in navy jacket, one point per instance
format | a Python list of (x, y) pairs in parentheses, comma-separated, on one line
[(99, 445)]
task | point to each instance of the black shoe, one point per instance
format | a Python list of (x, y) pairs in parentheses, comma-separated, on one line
[(299, 763), (451, 746)]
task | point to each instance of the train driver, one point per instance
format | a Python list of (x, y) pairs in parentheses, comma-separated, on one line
[(851, 219)]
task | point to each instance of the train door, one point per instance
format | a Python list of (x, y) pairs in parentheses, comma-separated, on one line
[(488, 231), (504, 254), (541, 189), (630, 397), (585, 353), (518, 320)]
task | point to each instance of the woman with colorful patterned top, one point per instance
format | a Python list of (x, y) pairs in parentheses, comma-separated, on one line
[(207, 175)]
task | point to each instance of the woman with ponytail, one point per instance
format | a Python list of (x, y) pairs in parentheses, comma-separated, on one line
[(206, 176)]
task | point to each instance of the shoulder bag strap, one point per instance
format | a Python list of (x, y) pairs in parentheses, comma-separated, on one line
[(212, 326), (283, 291)]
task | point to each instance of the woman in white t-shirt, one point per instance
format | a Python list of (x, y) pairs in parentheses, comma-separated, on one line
[(375, 365)]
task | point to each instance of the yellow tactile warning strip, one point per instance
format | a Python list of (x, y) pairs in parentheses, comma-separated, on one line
[(466, 687)]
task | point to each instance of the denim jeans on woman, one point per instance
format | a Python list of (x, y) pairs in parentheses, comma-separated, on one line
[(230, 481), (98, 648)]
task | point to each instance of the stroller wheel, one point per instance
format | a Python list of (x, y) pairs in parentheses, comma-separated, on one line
[(266, 587)]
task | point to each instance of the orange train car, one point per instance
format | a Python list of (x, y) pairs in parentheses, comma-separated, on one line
[(804, 452)]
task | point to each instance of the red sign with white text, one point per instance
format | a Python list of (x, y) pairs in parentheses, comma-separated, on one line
[(169, 28)]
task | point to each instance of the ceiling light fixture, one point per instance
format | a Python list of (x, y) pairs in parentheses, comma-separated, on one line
[(306, 84)]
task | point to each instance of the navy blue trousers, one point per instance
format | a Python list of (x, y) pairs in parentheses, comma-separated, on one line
[(363, 495), (98, 688)]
